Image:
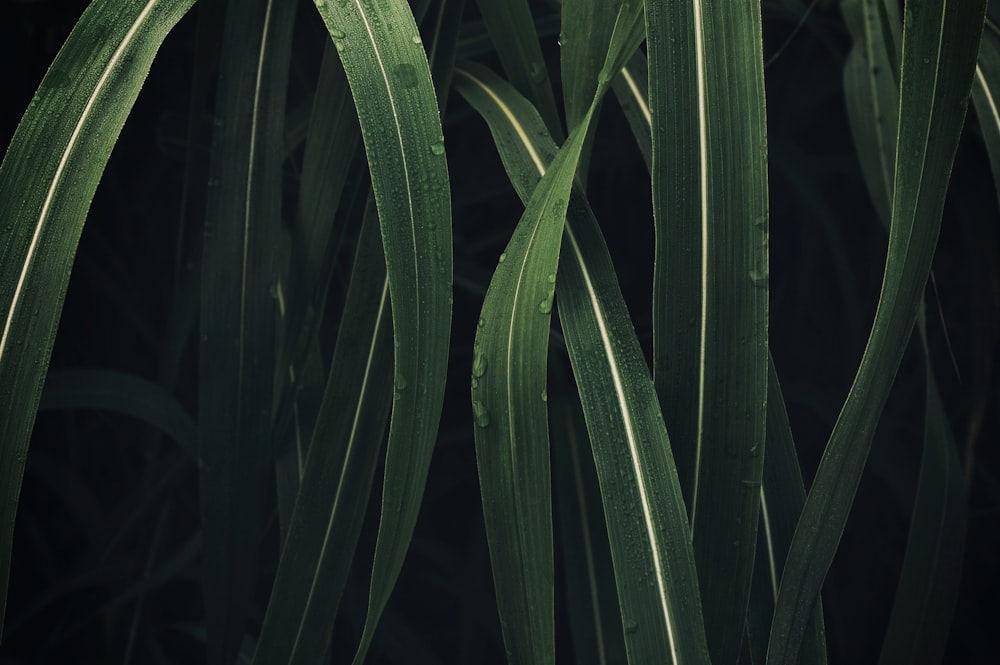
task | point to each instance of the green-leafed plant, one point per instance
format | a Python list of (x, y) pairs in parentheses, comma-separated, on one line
[(337, 278)]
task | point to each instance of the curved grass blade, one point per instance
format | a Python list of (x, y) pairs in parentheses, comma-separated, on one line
[(513, 32), (635, 441), (390, 79), (940, 44), (338, 471), (508, 393), (47, 180), (986, 96), (931, 573), (122, 393), (782, 495), (710, 206), (509, 400), (238, 311)]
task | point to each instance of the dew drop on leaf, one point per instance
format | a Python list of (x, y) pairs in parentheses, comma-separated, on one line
[(437, 148), (416, 39), (545, 306), (479, 363), (337, 34), (758, 278), (503, 257), (480, 413)]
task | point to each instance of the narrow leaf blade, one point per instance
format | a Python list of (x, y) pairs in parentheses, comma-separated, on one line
[(940, 44), (47, 180), (390, 81)]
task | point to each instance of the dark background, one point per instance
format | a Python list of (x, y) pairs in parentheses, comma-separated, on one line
[(104, 496)]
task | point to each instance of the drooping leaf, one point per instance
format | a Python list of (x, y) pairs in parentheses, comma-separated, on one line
[(669, 628), (710, 206), (47, 180), (940, 45), (390, 81), (122, 393)]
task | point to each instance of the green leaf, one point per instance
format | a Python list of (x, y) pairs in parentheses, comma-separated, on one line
[(239, 309), (122, 393), (513, 32), (508, 392), (338, 471), (932, 566), (623, 396), (706, 91), (390, 80), (940, 45), (47, 180), (782, 496)]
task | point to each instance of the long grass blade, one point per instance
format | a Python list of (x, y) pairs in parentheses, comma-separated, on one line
[(925, 597), (338, 471), (508, 392), (47, 180), (932, 566), (782, 495), (940, 45), (670, 629), (390, 80), (239, 310), (706, 93)]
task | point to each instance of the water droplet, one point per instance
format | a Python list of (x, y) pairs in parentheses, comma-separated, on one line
[(416, 39), (503, 257), (437, 148), (482, 322), (475, 383), (552, 278), (758, 278), (545, 396), (480, 413), (406, 74), (562, 39), (545, 306), (401, 383), (337, 34), (631, 626), (479, 363)]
